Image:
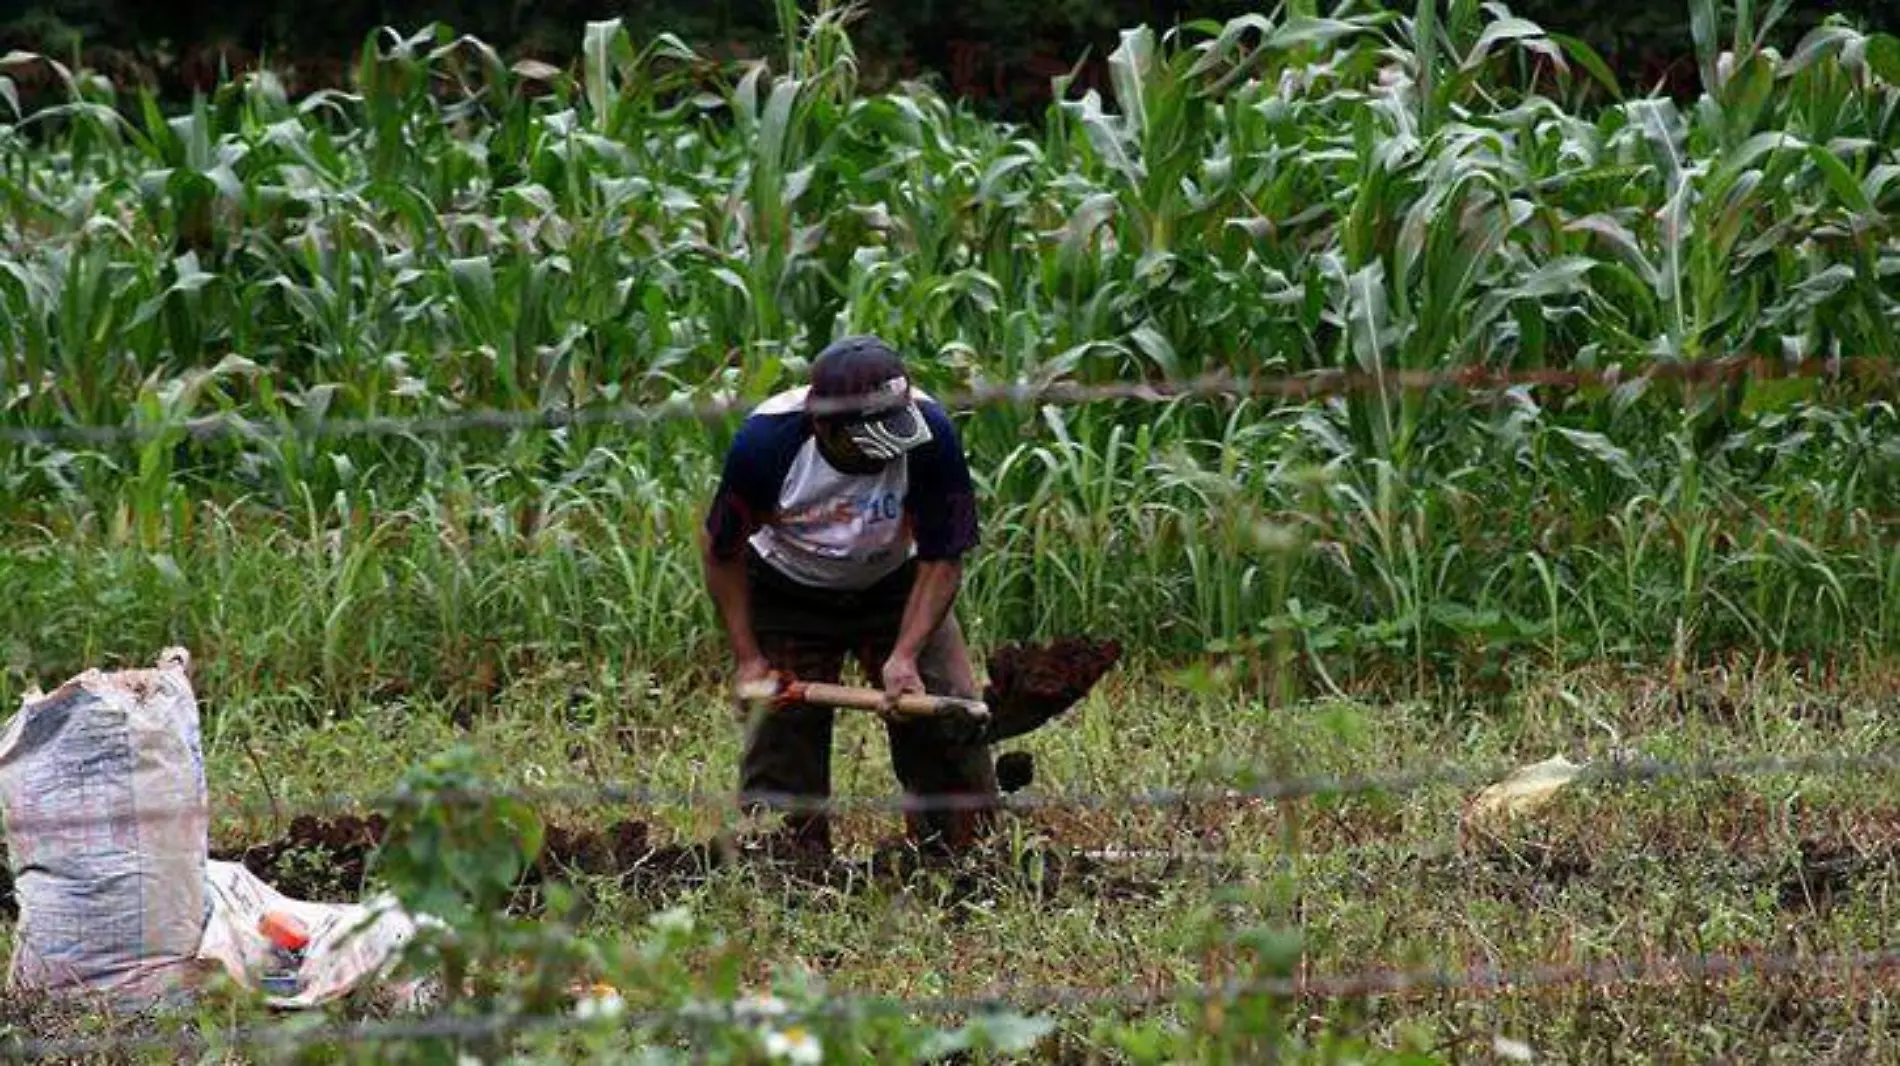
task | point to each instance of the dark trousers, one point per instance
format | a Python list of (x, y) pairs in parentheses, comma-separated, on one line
[(807, 633)]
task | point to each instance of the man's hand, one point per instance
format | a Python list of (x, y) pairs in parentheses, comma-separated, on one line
[(752, 668), (931, 597), (901, 677)]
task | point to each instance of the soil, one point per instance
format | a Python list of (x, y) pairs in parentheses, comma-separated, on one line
[(317, 859), (1031, 684), (325, 860), (328, 859), (1828, 870)]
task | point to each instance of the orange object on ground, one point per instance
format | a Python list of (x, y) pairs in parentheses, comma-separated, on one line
[(284, 930)]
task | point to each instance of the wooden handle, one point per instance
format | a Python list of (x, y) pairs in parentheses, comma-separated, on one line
[(910, 705), (871, 699)]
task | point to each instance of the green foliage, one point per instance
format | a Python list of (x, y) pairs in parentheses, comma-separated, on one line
[(454, 851), (171, 41), (1274, 195), (538, 989)]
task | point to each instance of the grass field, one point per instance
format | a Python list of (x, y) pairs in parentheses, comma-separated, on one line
[(1731, 866), (1378, 579)]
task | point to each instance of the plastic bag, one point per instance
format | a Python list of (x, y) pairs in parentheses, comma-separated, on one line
[(1524, 792), (350, 945)]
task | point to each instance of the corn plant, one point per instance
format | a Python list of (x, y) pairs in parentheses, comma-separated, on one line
[(1358, 189)]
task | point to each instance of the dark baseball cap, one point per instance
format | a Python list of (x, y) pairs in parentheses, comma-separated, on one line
[(859, 384)]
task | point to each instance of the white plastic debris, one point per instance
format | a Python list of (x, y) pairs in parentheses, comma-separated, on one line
[(351, 945), (1525, 791)]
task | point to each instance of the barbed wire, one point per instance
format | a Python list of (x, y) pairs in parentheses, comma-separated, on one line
[(1266, 787), (1619, 768), (1364, 984), (1218, 385), (1546, 528)]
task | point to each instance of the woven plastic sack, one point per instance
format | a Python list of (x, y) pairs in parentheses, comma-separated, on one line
[(102, 795)]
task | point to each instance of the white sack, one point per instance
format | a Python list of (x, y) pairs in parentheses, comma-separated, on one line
[(102, 795)]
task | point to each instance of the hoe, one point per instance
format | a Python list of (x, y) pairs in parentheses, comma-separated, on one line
[(1028, 686)]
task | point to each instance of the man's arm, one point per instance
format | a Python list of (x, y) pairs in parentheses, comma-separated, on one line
[(726, 582), (931, 597), (739, 507), (942, 506)]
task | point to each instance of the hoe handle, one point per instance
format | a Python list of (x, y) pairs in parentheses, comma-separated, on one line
[(909, 705)]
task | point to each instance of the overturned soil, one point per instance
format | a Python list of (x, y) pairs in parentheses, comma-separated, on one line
[(1031, 684), (1055, 675), (329, 860), (318, 859), (1839, 856), (1836, 858)]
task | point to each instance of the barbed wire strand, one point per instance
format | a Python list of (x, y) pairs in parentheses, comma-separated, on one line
[(1365, 984), (1313, 385), (1618, 769), (1212, 386)]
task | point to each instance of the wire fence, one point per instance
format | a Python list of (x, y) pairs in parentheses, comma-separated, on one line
[(1372, 983), (1219, 385), (1265, 786)]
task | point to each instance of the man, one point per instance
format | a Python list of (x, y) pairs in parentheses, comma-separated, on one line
[(839, 527)]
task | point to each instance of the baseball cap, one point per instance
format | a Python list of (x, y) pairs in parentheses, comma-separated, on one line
[(859, 383)]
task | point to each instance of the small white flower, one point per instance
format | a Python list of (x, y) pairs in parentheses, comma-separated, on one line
[(794, 1044)]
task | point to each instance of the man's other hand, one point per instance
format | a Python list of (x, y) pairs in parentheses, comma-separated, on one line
[(901, 677)]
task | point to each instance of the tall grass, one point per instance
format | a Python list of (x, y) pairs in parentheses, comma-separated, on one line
[(1285, 192)]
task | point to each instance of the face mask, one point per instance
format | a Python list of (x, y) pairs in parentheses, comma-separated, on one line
[(887, 425)]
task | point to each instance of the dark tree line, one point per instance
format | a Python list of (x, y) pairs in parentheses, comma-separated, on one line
[(999, 52)]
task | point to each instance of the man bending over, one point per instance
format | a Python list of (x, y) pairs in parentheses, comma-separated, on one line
[(843, 532)]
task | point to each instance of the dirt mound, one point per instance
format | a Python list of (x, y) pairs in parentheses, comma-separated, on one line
[(1030, 684), (1828, 872), (624, 851), (620, 847), (325, 859), (317, 859)]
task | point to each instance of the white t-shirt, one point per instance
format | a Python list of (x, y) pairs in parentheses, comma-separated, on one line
[(829, 528)]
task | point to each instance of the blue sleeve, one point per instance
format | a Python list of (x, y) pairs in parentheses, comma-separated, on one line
[(942, 499), (755, 468)]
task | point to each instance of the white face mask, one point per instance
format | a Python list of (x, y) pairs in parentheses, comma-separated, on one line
[(893, 427)]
